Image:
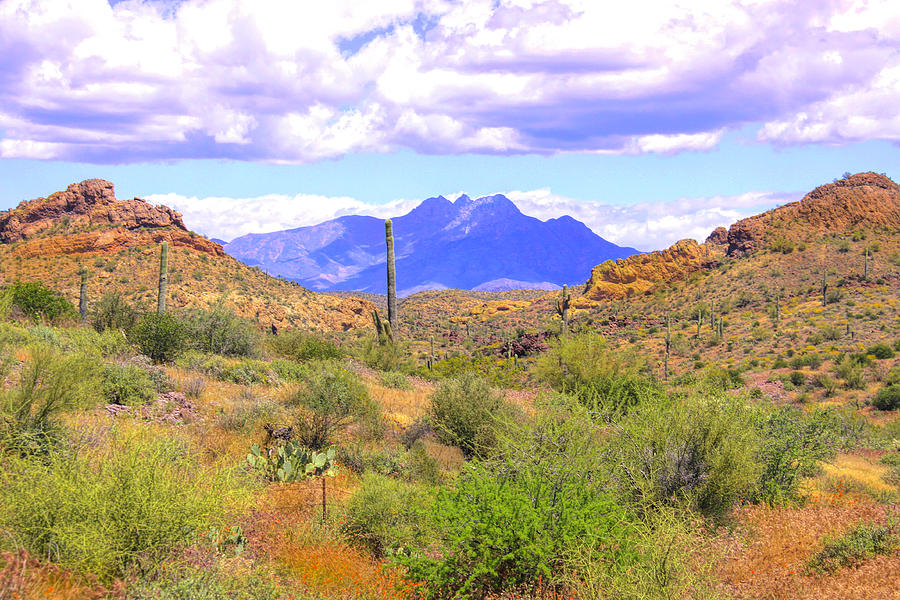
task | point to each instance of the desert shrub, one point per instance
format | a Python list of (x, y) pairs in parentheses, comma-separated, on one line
[(395, 381), (813, 361), (383, 514), (887, 398), (162, 337), (48, 385), (463, 412), (696, 452), (670, 561), (866, 540), (110, 343), (288, 370), (220, 331), (213, 582), (107, 510), (797, 378), (39, 302), (248, 372), (126, 384), (416, 431), (602, 379), (211, 365), (112, 312), (249, 412), (881, 351), (792, 443), (300, 345), (331, 398), (719, 378), (852, 374), (513, 519), (194, 387), (386, 356)]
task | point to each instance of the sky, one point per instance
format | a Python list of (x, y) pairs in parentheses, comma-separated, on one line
[(650, 121)]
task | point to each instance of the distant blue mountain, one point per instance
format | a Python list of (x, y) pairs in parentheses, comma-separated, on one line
[(485, 243)]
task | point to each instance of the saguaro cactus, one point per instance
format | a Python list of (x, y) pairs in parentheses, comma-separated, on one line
[(383, 329), (824, 287), (668, 344), (163, 277), (562, 309), (83, 299), (866, 264), (391, 275)]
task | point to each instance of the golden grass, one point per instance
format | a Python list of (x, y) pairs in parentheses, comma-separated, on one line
[(859, 469)]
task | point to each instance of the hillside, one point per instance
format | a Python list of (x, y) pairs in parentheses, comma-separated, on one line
[(50, 239), (439, 244)]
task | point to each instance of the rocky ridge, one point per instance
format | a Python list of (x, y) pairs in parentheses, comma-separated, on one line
[(861, 201), (85, 227), (87, 218)]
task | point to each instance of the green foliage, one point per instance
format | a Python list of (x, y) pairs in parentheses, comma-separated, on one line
[(813, 361), (383, 514), (49, 384), (38, 302), (107, 510), (291, 462), (602, 379), (389, 356), (463, 412), (887, 398), (220, 331), (695, 452), (112, 312), (515, 518), (126, 384), (866, 540), (302, 346), (791, 444), (881, 351), (395, 381), (162, 337), (212, 582), (331, 398), (719, 378)]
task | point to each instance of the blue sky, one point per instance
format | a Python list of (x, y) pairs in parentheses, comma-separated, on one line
[(647, 120)]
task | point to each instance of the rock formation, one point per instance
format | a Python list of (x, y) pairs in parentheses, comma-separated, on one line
[(87, 218)]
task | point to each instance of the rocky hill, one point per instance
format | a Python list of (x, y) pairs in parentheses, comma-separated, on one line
[(484, 243), (50, 239), (864, 202)]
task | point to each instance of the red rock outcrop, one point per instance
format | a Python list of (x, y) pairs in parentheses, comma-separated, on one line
[(87, 218), (640, 273), (864, 200)]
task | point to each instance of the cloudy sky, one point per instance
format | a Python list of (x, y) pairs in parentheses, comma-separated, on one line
[(649, 120)]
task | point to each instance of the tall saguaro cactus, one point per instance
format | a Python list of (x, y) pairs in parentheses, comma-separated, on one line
[(668, 344), (562, 309), (163, 277), (83, 299), (391, 275)]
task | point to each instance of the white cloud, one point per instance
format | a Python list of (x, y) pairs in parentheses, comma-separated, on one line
[(288, 81), (645, 226)]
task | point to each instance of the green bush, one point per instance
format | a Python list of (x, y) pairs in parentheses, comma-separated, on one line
[(881, 351), (331, 398), (515, 518), (302, 346), (113, 312), (248, 372), (48, 385), (395, 381), (382, 514), (792, 443), (696, 452), (38, 302), (887, 398), (463, 412), (110, 509), (126, 384), (162, 337), (385, 356), (866, 540), (602, 379), (214, 582), (220, 331)]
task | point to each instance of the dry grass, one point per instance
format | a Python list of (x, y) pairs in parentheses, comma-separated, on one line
[(25, 578), (766, 558)]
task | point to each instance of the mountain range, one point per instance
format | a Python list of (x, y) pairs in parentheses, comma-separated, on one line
[(483, 244)]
